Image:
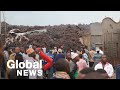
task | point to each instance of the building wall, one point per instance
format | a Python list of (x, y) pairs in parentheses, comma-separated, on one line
[(96, 29), (107, 35), (87, 40), (111, 34), (96, 34)]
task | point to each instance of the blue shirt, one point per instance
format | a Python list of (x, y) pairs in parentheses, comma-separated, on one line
[(97, 56), (118, 72), (51, 55), (58, 56)]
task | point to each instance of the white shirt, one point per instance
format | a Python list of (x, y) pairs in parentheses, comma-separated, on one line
[(6, 54), (44, 50), (31, 59), (25, 56), (108, 68), (101, 52)]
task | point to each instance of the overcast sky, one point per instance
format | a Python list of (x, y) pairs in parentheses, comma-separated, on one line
[(58, 17)]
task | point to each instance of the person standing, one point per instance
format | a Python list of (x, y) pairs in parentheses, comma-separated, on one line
[(13, 73), (50, 54), (14, 52), (62, 70), (91, 52), (12, 55), (54, 51), (81, 64), (52, 69), (17, 50), (31, 54), (85, 57), (31, 58), (87, 52), (6, 58), (97, 57), (104, 64), (69, 60), (73, 65), (44, 49), (60, 55), (46, 58), (22, 52), (6, 54), (2, 63), (37, 54)]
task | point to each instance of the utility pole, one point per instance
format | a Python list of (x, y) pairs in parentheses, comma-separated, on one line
[(0, 30), (5, 23), (0, 38), (0, 23)]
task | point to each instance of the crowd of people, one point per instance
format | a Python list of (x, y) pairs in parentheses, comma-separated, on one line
[(58, 63)]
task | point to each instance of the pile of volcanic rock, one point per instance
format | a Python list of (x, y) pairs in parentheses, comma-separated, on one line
[(58, 35), (55, 36)]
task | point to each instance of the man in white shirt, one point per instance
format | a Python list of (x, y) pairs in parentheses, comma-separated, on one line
[(106, 66)]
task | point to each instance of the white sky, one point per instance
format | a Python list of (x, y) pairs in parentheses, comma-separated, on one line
[(58, 17)]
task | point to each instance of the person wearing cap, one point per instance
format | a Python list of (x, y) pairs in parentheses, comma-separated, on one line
[(74, 57), (73, 65), (97, 57), (81, 64), (31, 54)]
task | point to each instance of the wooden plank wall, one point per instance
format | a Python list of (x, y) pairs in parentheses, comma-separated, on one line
[(112, 47)]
